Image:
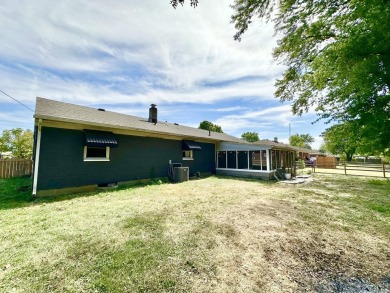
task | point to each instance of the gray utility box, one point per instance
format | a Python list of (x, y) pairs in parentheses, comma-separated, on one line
[(181, 174)]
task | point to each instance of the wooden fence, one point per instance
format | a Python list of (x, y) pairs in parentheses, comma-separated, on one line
[(354, 168), (326, 162), (15, 168)]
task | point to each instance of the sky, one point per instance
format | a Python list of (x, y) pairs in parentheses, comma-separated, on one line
[(124, 55)]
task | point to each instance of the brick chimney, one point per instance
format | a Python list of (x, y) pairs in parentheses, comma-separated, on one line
[(153, 114)]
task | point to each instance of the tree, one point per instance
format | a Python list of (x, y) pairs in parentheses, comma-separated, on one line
[(337, 54), (301, 140), (337, 57), (207, 125), (174, 3), (342, 139), (322, 148), (17, 141), (250, 136)]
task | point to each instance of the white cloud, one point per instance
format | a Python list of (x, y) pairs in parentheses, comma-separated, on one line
[(230, 109), (127, 54)]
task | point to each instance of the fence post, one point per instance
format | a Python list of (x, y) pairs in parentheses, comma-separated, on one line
[(345, 168), (384, 169)]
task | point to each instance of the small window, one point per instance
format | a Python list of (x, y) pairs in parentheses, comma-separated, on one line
[(188, 155), (96, 153)]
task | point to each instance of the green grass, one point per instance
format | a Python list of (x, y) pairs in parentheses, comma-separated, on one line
[(15, 192), (211, 235)]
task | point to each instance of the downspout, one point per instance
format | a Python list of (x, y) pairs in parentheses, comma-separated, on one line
[(36, 159)]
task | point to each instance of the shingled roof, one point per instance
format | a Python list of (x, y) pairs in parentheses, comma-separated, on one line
[(274, 144), (65, 112)]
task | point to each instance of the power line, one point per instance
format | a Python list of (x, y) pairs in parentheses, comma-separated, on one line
[(17, 101)]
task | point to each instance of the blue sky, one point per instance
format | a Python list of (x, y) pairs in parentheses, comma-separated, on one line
[(124, 55)]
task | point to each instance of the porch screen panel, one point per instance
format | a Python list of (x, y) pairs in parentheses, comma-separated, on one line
[(277, 159), (242, 160), (254, 160), (231, 160), (221, 159), (273, 158)]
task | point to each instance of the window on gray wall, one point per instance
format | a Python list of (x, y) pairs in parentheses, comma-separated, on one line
[(96, 153)]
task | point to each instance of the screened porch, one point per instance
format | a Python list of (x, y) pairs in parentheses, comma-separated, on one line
[(253, 160)]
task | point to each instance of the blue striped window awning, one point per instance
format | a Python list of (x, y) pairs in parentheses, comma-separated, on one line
[(189, 145), (94, 138)]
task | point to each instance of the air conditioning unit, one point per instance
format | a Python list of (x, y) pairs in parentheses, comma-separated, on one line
[(181, 174)]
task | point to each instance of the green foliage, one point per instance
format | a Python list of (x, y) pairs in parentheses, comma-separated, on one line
[(337, 55), (343, 139), (322, 148), (301, 164), (17, 141), (250, 136), (207, 125), (174, 3), (301, 140)]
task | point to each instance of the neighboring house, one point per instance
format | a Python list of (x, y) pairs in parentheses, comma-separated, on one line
[(6, 155), (308, 155), (305, 154), (78, 148)]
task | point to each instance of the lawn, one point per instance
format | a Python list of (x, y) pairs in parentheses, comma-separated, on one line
[(216, 234)]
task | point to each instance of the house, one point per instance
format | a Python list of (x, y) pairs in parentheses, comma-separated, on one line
[(309, 156), (79, 148), (6, 155), (305, 154)]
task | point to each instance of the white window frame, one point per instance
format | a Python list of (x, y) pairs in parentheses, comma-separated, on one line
[(97, 159), (188, 155)]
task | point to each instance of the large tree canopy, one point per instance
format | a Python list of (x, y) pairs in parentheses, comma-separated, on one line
[(301, 140), (342, 139), (17, 141), (207, 125), (250, 136), (337, 57), (337, 54)]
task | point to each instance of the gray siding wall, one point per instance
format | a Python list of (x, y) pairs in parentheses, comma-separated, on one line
[(250, 174), (61, 162)]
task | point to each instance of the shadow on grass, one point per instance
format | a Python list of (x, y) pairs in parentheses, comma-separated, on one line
[(16, 193)]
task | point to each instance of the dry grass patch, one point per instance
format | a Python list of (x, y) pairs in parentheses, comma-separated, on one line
[(210, 235)]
